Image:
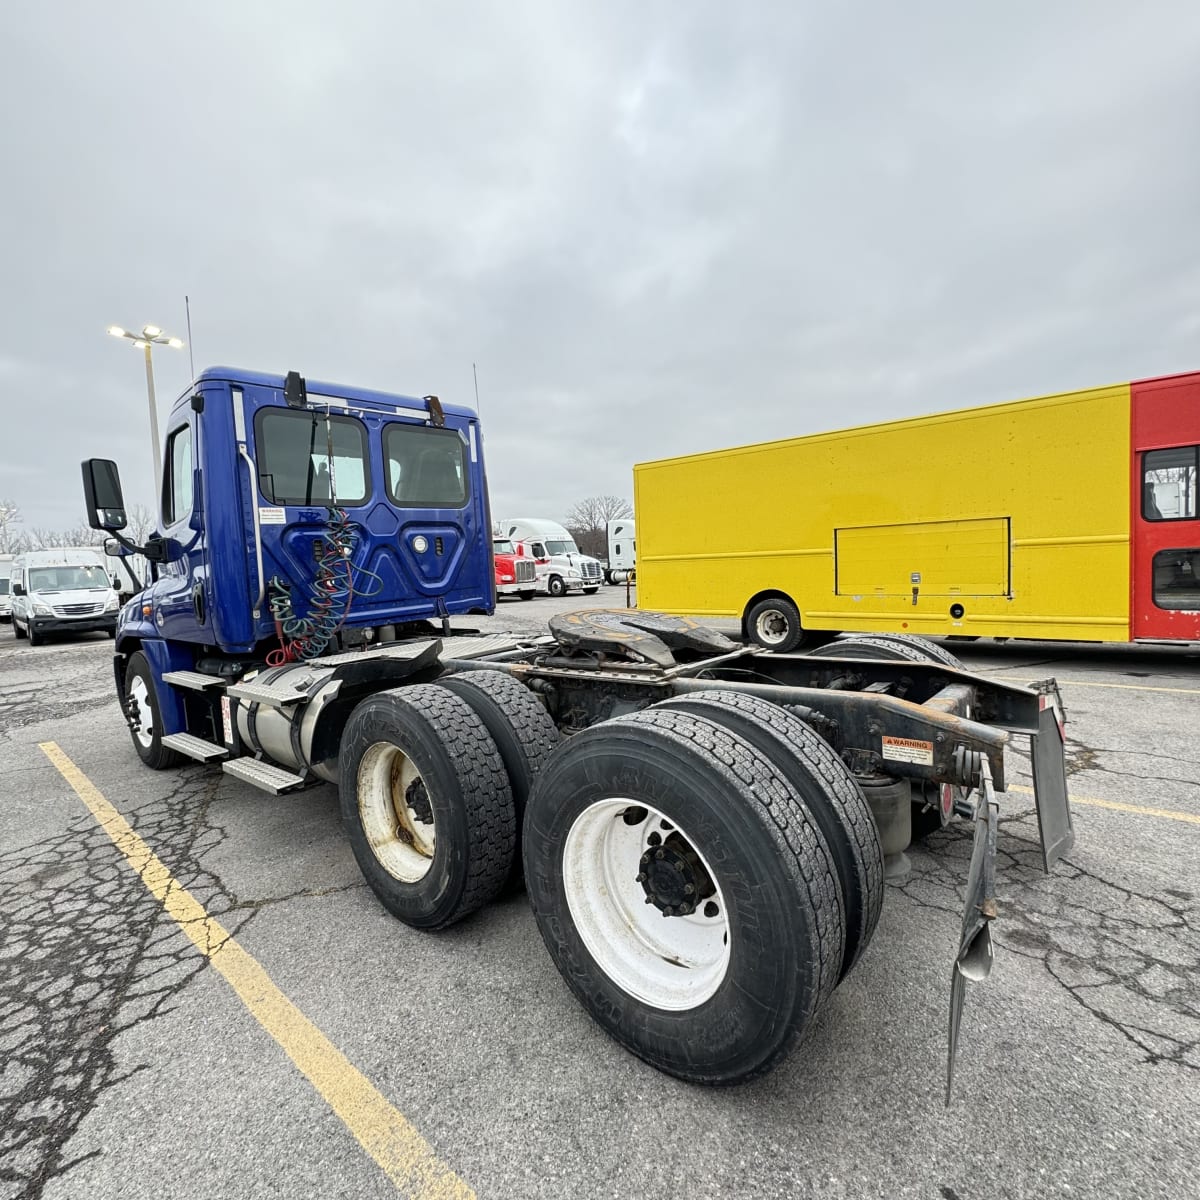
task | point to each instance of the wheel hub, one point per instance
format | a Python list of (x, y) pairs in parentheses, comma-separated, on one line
[(673, 877)]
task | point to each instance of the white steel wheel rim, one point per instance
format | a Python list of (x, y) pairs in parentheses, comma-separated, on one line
[(402, 841), (771, 626), (668, 962), (139, 695)]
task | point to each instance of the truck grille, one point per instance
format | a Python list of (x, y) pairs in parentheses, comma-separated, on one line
[(91, 609), (590, 571), (526, 572)]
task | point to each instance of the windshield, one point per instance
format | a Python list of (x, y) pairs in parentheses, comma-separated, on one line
[(4, 586), (63, 579), (561, 547), (503, 546)]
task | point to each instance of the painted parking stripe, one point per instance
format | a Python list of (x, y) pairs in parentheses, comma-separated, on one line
[(1168, 814), (385, 1133)]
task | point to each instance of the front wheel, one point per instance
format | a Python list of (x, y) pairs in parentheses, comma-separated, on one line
[(145, 716), (556, 587), (527, 595), (18, 632), (774, 624), (686, 897), (35, 638), (590, 591)]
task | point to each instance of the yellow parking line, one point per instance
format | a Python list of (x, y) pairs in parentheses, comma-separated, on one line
[(385, 1133), (1170, 814), (1122, 687)]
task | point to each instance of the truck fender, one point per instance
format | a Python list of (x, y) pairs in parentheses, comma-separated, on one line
[(162, 656)]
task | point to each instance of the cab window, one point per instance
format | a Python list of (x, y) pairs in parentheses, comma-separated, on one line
[(426, 468), (1169, 482), (177, 480), (308, 457)]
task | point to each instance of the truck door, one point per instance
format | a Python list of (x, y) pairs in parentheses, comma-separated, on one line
[(184, 599), (1165, 522)]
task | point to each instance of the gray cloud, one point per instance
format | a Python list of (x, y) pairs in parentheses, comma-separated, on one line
[(657, 228)]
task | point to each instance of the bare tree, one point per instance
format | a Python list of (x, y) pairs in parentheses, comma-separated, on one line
[(141, 524), (588, 520), (10, 539)]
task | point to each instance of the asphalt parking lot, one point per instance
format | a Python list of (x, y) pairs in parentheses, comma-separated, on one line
[(133, 1064)]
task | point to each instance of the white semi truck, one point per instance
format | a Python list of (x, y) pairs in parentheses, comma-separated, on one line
[(560, 566)]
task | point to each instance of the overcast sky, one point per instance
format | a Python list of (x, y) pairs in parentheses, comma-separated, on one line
[(656, 228)]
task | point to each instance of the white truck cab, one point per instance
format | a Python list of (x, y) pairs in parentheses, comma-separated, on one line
[(61, 591), (560, 566), (5, 582), (622, 550)]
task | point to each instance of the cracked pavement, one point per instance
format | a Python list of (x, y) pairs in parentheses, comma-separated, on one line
[(128, 1068)]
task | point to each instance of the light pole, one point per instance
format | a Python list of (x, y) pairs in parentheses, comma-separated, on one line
[(150, 336)]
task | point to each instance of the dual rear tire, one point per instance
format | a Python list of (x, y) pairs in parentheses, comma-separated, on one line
[(703, 873), (702, 885)]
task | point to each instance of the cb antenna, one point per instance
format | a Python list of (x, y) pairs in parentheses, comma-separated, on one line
[(475, 373), (187, 304)]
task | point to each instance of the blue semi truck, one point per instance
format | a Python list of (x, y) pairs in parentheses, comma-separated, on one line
[(703, 827)]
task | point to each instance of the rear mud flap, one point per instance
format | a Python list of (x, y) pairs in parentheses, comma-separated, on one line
[(1050, 784), (974, 959)]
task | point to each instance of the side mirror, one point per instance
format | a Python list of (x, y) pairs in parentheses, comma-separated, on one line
[(18, 589), (102, 494), (112, 547)]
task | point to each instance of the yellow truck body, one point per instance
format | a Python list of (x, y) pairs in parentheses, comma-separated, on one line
[(1011, 520)]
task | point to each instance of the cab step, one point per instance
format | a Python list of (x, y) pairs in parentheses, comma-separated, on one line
[(265, 693), (194, 747), (263, 775), (197, 681)]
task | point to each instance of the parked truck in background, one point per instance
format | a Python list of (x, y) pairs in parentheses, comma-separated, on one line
[(638, 770), (560, 566), (1070, 516), (516, 573), (5, 585), (622, 550)]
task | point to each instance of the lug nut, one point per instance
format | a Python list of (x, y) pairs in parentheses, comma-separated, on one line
[(659, 853), (688, 889), (641, 877)]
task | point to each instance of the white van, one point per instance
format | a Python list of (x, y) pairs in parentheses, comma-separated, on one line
[(560, 566), (61, 591), (5, 578)]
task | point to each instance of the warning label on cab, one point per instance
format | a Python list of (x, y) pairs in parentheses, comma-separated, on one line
[(908, 750)]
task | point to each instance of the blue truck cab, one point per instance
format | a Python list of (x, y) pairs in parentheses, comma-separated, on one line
[(297, 519), (270, 509)]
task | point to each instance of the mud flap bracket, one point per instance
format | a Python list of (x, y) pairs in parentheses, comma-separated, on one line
[(973, 962)]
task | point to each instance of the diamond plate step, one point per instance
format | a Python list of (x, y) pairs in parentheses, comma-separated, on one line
[(194, 747), (263, 775), (192, 679), (475, 647), (265, 693)]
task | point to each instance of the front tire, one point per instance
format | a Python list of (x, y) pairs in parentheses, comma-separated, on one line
[(18, 632), (712, 963), (590, 591), (35, 638), (527, 595), (145, 715), (427, 804), (774, 624), (556, 587)]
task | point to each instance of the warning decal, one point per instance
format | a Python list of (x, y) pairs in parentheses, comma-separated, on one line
[(908, 750)]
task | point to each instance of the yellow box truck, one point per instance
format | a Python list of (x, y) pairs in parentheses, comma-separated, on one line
[(1071, 516)]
